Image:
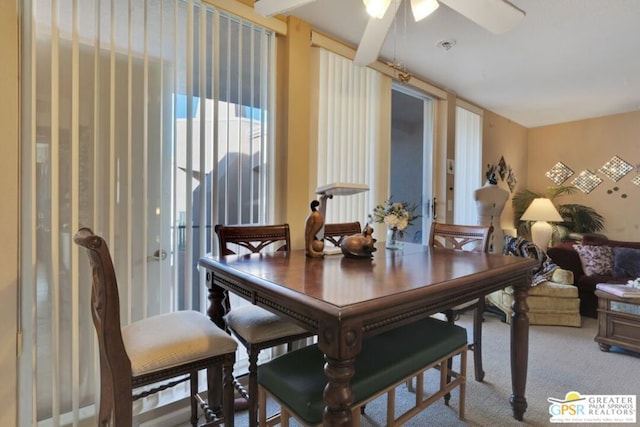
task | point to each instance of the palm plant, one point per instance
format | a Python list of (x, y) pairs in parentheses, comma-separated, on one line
[(577, 218)]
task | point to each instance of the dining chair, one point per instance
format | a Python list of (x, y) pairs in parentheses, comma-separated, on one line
[(474, 238), (256, 328), (336, 232), (172, 346)]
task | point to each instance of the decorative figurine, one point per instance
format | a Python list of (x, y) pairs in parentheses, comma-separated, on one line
[(359, 245), (314, 247)]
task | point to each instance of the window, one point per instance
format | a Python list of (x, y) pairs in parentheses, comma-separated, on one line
[(468, 169)]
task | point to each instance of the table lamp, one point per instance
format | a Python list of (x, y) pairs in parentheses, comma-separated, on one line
[(541, 210), (338, 189)]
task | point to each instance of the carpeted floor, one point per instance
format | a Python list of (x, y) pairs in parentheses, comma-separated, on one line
[(561, 359)]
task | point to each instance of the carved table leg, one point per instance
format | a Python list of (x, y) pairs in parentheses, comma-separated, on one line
[(216, 297), (519, 349), (338, 394), (340, 344)]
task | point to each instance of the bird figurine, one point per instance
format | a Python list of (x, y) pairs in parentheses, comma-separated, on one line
[(314, 247)]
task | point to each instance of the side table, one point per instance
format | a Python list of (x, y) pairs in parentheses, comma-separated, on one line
[(618, 322)]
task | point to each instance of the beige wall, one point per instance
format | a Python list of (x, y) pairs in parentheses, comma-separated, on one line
[(9, 188), (502, 137), (588, 144)]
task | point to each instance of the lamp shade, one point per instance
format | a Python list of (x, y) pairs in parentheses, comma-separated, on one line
[(423, 8), (541, 209), (376, 8)]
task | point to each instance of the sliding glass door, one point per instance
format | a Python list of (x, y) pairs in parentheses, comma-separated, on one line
[(148, 121)]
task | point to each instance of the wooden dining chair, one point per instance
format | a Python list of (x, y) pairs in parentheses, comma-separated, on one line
[(255, 327), (473, 238), (336, 232), (172, 346)]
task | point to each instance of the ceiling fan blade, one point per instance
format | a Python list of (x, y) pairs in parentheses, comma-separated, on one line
[(274, 7), (374, 35), (497, 16)]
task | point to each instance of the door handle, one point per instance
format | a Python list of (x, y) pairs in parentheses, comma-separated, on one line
[(433, 206), (158, 255)]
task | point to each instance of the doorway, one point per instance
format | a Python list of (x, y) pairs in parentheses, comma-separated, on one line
[(412, 157)]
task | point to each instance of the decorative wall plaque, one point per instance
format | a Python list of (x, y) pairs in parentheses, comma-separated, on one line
[(615, 169), (587, 181), (559, 173)]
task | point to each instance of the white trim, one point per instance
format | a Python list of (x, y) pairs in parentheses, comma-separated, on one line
[(469, 107)]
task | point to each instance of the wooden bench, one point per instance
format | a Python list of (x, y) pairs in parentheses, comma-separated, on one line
[(296, 380)]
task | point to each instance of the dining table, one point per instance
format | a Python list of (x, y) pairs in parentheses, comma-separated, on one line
[(345, 299)]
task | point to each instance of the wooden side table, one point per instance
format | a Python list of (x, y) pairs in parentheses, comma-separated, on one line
[(618, 322)]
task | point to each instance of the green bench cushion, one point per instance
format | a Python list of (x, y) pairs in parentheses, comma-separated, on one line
[(297, 378)]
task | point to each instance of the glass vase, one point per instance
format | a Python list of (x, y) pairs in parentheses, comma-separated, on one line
[(394, 239)]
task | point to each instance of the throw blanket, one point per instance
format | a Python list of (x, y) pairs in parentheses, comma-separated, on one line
[(517, 246)]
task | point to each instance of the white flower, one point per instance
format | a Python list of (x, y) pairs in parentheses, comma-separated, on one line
[(394, 215), (634, 283), (391, 221)]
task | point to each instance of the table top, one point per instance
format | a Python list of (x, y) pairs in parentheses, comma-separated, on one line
[(341, 286)]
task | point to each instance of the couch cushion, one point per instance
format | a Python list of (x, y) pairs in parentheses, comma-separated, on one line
[(626, 262), (595, 259), (550, 289), (562, 276)]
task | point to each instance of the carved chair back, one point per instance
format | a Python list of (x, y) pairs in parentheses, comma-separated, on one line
[(254, 238), (336, 232), (460, 237), (115, 365)]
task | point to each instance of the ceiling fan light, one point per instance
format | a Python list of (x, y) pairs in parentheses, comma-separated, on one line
[(376, 8), (423, 8)]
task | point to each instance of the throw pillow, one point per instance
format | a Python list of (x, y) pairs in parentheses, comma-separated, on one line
[(626, 262), (595, 259), (518, 246)]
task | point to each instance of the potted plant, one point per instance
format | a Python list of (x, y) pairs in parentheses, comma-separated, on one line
[(577, 218)]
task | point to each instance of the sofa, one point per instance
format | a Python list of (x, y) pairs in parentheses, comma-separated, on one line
[(596, 259), (552, 299)]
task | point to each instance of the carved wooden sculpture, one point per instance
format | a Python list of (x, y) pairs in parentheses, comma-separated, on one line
[(359, 245), (314, 247)]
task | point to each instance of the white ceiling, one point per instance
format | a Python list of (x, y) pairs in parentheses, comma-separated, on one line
[(567, 60)]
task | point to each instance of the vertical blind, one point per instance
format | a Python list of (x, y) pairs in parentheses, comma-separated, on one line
[(349, 144), (468, 171), (148, 121)]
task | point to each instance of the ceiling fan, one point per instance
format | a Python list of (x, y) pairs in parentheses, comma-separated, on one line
[(496, 16), (274, 7)]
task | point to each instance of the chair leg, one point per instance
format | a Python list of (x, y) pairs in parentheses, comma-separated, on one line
[(477, 340), (228, 393), (193, 382), (253, 386), (214, 392), (451, 320)]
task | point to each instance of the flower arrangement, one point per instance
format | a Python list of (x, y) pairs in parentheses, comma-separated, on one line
[(634, 283), (396, 215)]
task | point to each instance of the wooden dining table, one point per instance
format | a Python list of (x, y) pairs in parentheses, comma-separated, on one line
[(344, 300)]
